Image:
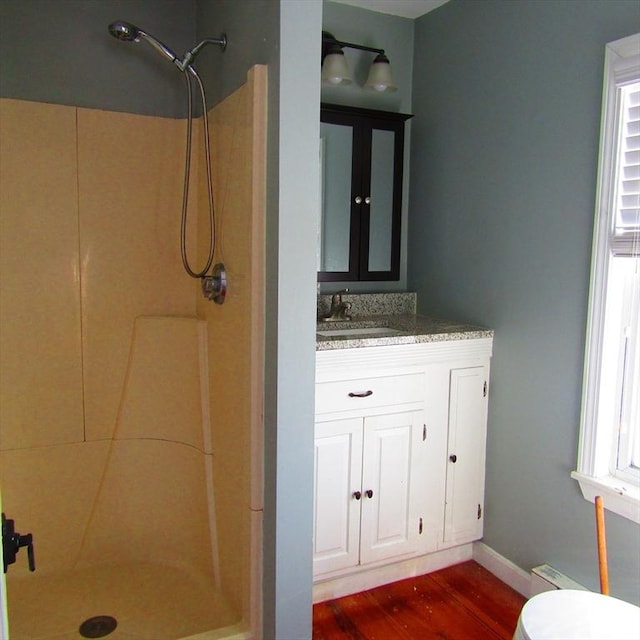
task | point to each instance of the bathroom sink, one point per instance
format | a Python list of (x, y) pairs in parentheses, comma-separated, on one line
[(362, 332)]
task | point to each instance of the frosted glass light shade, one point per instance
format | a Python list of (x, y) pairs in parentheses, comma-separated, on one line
[(380, 78), (335, 69)]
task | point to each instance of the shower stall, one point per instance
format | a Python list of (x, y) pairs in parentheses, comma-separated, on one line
[(130, 406)]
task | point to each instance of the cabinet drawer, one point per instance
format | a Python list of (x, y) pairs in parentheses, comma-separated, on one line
[(364, 393)]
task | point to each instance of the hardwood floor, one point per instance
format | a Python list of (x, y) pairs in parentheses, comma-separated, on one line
[(463, 602)]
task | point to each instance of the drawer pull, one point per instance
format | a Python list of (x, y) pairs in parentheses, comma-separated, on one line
[(360, 394)]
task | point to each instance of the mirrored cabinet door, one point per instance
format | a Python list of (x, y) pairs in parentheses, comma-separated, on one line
[(336, 151), (381, 205), (361, 170)]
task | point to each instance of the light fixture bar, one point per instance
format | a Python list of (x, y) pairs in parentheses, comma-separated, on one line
[(360, 46), (329, 40)]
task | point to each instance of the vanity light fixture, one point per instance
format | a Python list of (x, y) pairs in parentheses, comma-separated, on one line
[(335, 70)]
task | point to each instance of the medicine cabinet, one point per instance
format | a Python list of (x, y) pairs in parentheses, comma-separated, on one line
[(361, 171)]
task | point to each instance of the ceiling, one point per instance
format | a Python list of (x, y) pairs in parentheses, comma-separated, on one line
[(404, 8)]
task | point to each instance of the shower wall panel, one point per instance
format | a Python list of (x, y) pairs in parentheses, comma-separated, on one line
[(130, 193), (235, 330), (41, 364), (90, 227)]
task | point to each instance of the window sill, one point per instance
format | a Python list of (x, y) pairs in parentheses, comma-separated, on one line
[(618, 496)]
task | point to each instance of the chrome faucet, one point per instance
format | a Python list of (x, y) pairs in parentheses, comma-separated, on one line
[(339, 309)]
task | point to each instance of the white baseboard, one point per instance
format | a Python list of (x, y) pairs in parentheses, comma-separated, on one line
[(484, 555), (365, 579), (502, 568)]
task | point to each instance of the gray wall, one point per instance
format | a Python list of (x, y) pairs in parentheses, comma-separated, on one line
[(505, 144), (299, 139), (61, 52), (253, 38), (395, 36)]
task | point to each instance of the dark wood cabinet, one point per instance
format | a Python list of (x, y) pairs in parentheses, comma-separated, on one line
[(362, 161)]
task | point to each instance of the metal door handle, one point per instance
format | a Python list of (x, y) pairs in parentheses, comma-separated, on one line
[(360, 394)]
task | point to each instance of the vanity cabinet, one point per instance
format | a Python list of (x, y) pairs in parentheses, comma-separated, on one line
[(368, 460), (399, 452), (361, 167)]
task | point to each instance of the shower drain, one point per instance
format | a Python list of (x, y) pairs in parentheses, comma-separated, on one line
[(98, 627)]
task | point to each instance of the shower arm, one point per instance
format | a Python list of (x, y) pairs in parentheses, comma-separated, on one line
[(190, 55)]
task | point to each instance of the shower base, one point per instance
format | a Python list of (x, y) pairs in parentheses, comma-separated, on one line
[(149, 602)]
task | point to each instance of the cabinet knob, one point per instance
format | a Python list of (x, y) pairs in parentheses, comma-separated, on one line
[(367, 200), (357, 495), (453, 457), (369, 493), (358, 199)]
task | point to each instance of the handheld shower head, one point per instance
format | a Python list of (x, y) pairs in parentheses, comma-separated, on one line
[(130, 33), (124, 31)]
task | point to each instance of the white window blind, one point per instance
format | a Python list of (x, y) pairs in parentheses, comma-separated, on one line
[(625, 239), (625, 269)]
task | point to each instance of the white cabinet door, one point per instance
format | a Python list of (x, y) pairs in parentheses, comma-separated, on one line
[(392, 453), (338, 474), (466, 455)]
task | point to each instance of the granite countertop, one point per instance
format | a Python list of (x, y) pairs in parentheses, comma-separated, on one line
[(378, 330)]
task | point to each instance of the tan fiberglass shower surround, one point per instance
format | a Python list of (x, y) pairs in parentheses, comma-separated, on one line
[(120, 449)]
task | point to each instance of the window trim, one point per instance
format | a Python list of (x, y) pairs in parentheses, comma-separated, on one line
[(622, 65)]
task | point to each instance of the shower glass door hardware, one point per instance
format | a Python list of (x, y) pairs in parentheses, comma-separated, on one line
[(13, 541)]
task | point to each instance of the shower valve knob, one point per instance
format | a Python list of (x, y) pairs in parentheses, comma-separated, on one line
[(214, 287), (12, 542)]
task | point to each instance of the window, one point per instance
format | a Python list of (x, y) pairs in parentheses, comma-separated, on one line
[(609, 456)]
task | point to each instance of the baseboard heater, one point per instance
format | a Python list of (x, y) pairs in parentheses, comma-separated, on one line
[(546, 578)]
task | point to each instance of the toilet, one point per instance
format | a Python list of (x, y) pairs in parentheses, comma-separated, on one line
[(567, 614)]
